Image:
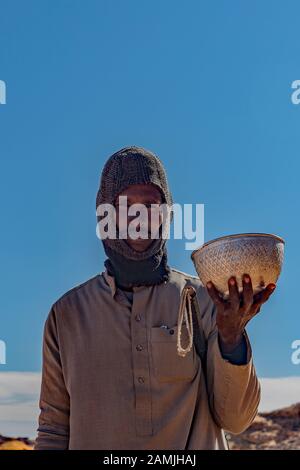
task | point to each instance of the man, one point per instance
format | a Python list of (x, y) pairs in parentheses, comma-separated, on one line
[(112, 378)]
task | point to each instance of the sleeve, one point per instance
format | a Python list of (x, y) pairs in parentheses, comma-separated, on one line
[(239, 355), (233, 390), (54, 402)]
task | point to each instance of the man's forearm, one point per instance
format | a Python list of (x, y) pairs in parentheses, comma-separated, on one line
[(233, 389)]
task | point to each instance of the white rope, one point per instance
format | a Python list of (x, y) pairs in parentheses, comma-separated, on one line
[(187, 315)]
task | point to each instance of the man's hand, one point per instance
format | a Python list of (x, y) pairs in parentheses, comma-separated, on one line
[(234, 313)]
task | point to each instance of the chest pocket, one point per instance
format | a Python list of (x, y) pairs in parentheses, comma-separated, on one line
[(167, 364)]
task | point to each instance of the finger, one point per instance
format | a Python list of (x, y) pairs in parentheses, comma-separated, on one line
[(263, 296), (247, 292), (214, 294), (234, 296)]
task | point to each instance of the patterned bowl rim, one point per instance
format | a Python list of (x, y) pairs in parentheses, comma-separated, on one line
[(237, 235)]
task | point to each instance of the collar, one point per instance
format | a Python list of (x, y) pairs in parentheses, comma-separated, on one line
[(110, 281), (113, 286)]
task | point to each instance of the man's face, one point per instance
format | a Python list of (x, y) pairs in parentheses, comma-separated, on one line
[(145, 194)]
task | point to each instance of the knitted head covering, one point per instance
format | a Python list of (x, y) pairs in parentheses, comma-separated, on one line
[(134, 165)]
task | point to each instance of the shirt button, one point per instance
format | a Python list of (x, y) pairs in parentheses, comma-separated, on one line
[(138, 317), (139, 347), (141, 380)]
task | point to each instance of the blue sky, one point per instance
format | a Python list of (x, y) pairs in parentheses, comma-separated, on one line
[(204, 84)]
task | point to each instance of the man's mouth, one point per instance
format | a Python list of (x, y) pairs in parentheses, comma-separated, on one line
[(138, 240)]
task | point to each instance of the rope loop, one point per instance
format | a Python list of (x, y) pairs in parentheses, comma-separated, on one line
[(185, 313)]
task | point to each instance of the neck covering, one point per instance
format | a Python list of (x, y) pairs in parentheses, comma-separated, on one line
[(134, 165)]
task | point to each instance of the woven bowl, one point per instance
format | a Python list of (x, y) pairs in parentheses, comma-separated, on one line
[(258, 254)]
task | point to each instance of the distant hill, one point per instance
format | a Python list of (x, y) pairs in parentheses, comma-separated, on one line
[(15, 443), (278, 429)]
